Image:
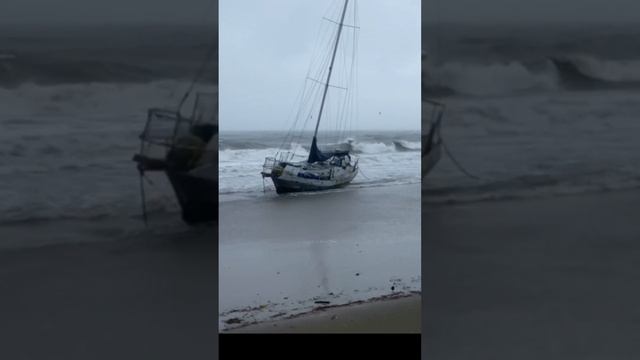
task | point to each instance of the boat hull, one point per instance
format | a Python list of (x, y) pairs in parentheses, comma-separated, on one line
[(303, 177), (197, 196), (284, 186)]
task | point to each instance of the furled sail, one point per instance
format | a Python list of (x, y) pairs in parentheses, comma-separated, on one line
[(315, 154)]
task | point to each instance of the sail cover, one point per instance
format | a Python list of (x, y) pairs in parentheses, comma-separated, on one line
[(316, 155)]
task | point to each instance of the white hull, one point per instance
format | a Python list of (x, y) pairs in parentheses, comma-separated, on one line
[(302, 176)]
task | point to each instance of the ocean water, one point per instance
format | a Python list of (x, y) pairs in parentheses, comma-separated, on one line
[(74, 101), (385, 158), (534, 111)]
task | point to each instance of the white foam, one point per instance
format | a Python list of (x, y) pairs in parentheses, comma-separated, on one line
[(492, 79), (613, 70), (379, 163)]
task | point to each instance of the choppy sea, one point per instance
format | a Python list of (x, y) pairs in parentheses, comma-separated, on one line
[(74, 101), (534, 111), (385, 158), (530, 111)]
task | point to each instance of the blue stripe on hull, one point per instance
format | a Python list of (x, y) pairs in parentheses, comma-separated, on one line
[(285, 186)]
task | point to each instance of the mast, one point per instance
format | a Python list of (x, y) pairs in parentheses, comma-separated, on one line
[(333, 58)]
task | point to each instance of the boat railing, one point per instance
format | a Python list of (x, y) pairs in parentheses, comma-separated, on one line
[(162, 127), (205, 108), (158, 133), (269, 162), (284, 156), (268, 166), (275, 163)]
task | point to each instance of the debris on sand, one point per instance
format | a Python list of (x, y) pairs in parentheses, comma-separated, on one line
[(233, 321)]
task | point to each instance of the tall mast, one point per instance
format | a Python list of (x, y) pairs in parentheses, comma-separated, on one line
[(333, 58)]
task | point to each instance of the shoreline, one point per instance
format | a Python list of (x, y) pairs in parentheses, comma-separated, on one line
[(501, 277), (396, 313), (270, 194), (147, 296), (278, 257), (506, 198), (550, 278)]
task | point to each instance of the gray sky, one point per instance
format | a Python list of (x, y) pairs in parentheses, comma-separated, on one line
[(107, 11), (528, 11), (265, 53)]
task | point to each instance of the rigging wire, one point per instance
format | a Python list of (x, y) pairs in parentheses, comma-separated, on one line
[(293, 135), (434, 77), (336, 106), (143, 197), (456, 162), (212, 49), (353, 81), (309, 100), (361, 173)]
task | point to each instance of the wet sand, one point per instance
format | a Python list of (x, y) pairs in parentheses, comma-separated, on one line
[(286, 255), (384, 315), (145, 297), (533, 279)]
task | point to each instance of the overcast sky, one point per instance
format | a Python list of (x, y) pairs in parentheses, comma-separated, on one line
[(187, 11), (265, 53), (107, 11), (528, 11)]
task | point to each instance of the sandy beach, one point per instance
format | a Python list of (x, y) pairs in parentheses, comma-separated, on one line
[(553, 278), (152, 296), (287, 255), (389, 314)]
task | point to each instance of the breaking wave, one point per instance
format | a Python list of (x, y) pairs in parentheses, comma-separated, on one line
[(92, 100), (563, 72), (16, 70), (531, 186), (402, 145), (381, 162), (231, 146)]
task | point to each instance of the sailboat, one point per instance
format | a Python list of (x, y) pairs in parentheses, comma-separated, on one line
[(326, 167), (185, 148)]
